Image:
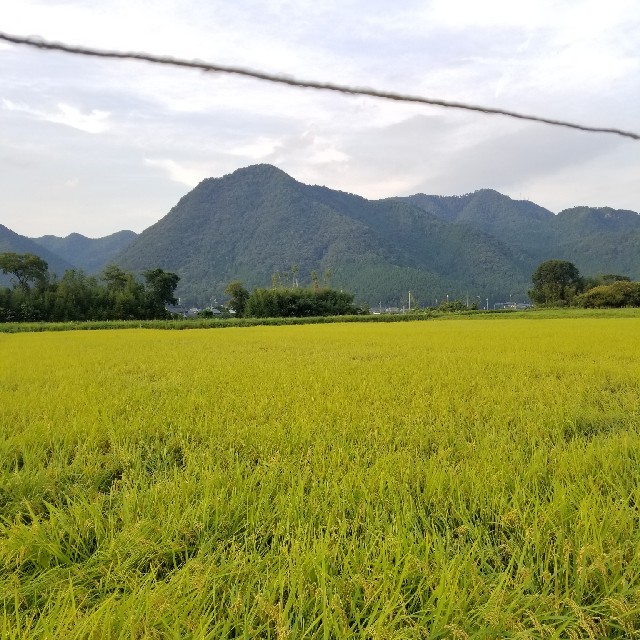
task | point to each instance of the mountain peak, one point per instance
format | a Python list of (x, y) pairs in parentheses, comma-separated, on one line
[(256, 172)]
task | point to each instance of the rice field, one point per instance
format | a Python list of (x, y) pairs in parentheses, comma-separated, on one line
[(449, 479)]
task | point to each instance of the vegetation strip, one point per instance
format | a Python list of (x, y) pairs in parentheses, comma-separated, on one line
[(224, 323)]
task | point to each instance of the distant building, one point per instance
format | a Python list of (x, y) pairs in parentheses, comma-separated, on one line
[(514, 306)]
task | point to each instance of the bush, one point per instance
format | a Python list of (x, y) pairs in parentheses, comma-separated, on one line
[(299, 302), (616, 295)]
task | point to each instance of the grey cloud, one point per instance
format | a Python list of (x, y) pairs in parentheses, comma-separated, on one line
[(507, 159)]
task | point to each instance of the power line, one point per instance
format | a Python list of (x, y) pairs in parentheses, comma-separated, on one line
[(307, 84)]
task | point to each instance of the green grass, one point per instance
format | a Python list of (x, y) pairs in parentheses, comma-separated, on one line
[(224, 323), (417, 480)]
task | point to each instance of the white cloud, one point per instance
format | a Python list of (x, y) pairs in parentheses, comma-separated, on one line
[(259, 149), (93, 122), (187, 175)]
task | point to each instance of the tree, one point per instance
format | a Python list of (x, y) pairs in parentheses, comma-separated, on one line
[(26, 268), (238, 297), (115, 277), (160, 287), (604, 279), (299, 302), (555, 282), (73, 296)]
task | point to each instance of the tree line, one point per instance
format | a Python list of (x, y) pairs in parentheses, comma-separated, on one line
[(559, 283), (37, 295), (290, 301), (115, 294)]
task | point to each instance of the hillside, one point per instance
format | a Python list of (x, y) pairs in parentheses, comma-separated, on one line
[(88, 254), (597, 240), (11, 242), (258, 220)]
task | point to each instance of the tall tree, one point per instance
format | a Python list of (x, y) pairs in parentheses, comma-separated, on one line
[(160, 288), (26, 268), (115, 278), (555, 282), (238, 296)]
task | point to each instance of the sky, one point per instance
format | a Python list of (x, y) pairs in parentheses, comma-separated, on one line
[(95, 146)]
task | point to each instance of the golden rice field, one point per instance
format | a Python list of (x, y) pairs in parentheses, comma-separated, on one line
[(446, 479)]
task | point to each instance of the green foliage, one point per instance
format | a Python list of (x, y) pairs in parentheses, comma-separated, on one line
[(621, 293), (26, 268), (604, 279), (238, 297), (225, 321), (299, 302), (76, 296), (597, 240), (453, 306), (555, 282), (258, 221), (160, 288)]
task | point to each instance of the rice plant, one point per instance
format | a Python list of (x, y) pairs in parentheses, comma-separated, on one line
[(458, 479)]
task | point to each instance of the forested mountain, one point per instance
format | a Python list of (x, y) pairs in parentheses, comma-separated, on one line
[(597, 240), (258, 221), (11, 242), (88, 254)]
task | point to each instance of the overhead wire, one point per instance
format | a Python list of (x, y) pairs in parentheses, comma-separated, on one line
[(40, 43)]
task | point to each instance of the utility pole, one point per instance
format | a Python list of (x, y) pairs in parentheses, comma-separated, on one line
[(409, 300)]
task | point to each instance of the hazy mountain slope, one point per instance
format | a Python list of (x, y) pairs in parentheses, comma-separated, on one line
[(89, 254), (522, 225), (601, 253), (11, 242), (579, 222), (598, 240)]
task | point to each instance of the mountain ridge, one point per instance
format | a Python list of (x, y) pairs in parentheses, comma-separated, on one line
[(88, 254), (258, 220), (247, 225)]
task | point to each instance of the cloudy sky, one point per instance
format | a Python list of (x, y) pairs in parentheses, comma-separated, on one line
[(95, 146)]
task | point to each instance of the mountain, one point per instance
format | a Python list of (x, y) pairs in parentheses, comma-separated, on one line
[(258, 220), (12, 242), (73, 252), (597, 240), (520, 224), (88, 254)]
